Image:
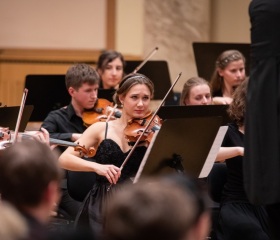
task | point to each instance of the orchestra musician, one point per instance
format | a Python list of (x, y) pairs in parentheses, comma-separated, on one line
[(228, 74), (82, 83), (134, 94), (196, 91), (238, 218), (110, 67)]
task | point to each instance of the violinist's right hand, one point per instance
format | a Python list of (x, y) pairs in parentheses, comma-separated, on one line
[(111, 172)]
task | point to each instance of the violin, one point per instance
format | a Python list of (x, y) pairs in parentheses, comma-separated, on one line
[(6, 140), (101, 112), (135, 128)]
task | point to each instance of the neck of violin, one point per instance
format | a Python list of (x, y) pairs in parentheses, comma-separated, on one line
[(52, 141), (62, 143)]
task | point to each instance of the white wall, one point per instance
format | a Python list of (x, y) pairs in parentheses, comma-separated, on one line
[(56, 24)]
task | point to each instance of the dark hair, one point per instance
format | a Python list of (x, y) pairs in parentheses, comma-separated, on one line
[(237, 107), (222, 62), (79, 74), (107, 57), (26, 169), (131, 80), (153, 208)]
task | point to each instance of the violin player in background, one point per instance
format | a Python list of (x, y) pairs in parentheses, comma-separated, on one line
[(228, 74), (110, 67), (134, 94), (82, 83), (196, 91)]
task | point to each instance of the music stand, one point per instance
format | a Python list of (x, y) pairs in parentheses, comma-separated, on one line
[(170, 112), (9, 116), (181, 145), (206, 54), (158, 72), (46, 92)]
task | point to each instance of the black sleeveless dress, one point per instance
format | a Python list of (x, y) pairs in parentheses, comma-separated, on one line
[(108, 152)]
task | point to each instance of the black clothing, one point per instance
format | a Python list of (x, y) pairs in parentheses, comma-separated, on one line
[(217, 93), (108, 152), (36, 230), (262, 141), (61, 124), (233, 188), (238, 218)]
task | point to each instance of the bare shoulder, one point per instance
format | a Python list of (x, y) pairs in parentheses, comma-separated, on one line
[(93, 134)]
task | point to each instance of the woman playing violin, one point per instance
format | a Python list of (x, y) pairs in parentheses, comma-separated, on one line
[(134, 94)]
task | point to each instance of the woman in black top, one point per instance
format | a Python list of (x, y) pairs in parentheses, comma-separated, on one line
[(238, 218), (134, 94)]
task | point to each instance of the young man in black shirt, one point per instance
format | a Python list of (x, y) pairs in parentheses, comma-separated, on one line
[(82, 83)]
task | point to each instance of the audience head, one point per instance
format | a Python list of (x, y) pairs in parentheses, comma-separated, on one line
[(30, 176), (237, 107), (110, 67), (196, 91), (229, 71), (157, 209)]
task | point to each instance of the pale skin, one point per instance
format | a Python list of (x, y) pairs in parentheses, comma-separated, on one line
[(83, 98), (112, 74), (199, 95), (233, 75), (230, 152), (135, 105)]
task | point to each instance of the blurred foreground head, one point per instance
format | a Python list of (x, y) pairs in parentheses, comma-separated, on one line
[(158, 208), (29, 175)]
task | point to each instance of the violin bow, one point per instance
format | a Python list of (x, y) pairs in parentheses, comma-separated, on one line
[(25, 92), (111, 113), (145, 60), (147, 126)]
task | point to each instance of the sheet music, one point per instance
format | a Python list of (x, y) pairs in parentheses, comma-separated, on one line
[(213, 152)]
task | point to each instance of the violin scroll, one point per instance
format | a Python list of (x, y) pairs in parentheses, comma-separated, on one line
[(87, 153)]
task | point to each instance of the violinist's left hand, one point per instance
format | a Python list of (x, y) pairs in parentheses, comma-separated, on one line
[(42, 136)]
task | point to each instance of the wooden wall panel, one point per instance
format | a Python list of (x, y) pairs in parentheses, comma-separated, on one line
[(15, 64)]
